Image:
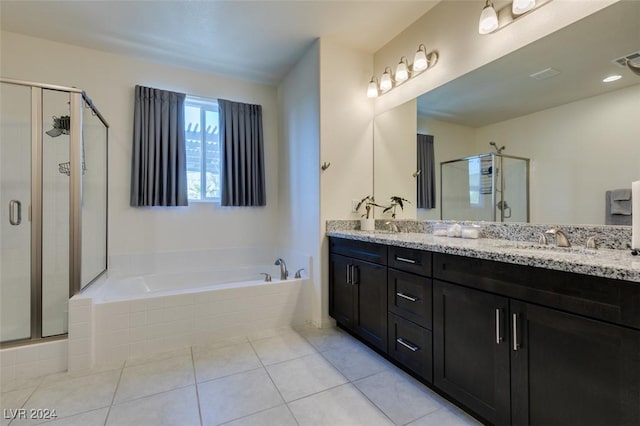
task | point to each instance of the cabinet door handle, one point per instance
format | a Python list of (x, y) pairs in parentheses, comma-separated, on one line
[(15, 212), (516, 345), (405, 260), (498, 334), (404, 296), (348, 274), (355, 275), (408, 345)]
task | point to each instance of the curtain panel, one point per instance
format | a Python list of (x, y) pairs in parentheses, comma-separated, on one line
[(242, 171), (427, 177), (158, 168)]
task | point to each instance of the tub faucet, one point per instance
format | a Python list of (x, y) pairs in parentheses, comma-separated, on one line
[(284, 274), (561, 238)]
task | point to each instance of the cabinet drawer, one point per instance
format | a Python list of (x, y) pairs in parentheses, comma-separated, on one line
[(369, 252), (410, 297), (410, 260), (411, 345)]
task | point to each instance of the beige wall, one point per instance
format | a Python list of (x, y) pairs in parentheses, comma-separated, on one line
[(451, 28), (109, 80)]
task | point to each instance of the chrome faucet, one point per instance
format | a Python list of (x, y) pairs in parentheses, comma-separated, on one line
[(393, 227), (284, 274), (561, 238)]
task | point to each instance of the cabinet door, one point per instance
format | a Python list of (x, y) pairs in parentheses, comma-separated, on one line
[(569, 370), (370, 313), (471, 349), (341, 291)]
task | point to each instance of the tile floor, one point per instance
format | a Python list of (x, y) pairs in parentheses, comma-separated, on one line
[(283, 377)]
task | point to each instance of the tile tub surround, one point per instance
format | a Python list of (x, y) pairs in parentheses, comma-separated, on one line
[(615, 264), (607, 236), (309, 384), (26, 363)]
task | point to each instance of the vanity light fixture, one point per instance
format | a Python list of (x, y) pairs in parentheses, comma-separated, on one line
[(611, 78), (518, 7), (385, 81), (372, 89), (488, 19), (420, 62), (402, 70)]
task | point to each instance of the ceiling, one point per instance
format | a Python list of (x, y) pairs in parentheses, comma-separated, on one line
[(582, 53), (250, 40)]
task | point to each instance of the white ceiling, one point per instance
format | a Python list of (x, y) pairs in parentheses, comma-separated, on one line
[(582, 52), (251, 40)]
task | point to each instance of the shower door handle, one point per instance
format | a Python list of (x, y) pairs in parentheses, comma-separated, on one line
[(15, 212)]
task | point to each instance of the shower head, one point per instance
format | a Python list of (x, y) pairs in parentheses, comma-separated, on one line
[(498, 150), (55, 132), (61, 126)]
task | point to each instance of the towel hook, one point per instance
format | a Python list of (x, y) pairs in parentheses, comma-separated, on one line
[(325, 166)]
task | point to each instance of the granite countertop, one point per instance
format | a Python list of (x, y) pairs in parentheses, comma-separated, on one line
[(607, 263)]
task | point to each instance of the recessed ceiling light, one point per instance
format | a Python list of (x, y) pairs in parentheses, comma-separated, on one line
[(611, 78)]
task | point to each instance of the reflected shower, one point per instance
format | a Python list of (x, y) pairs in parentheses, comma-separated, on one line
[(498, 150)]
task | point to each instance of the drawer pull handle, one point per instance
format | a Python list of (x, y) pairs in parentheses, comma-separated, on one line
[(404, 296), (407, 345), (516, 345), (405, 260), (498, 334)]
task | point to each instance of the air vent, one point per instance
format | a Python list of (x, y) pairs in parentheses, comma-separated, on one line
[(544, 74), (634, 58)]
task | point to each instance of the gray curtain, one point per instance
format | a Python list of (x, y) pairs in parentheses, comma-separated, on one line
[(158, 168), (242, 171), (427, 176)]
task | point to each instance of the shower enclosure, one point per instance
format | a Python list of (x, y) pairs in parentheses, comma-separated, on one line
[(489, 187), (53, 199)]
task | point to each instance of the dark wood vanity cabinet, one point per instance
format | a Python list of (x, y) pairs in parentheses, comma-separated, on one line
[(514, 362), (512, 344), (358, 290)]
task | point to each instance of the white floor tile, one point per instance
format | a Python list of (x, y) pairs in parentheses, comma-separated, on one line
[(344, 406), (57, 378), (220, 343), (400, 397), (11, 401), (355, 360), (91, 418), (74, 396), (282, 348), (446, 417), (145, 359), (176, 407), (304, 376), (324, 339), (219, 362), (151, 378), (236, 396), (20, 383), (278, 416)]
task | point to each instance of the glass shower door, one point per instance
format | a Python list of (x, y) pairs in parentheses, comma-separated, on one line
[(15, 205)]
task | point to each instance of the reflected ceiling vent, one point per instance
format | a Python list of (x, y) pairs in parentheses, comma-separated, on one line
[(545, 74), (634, 58)]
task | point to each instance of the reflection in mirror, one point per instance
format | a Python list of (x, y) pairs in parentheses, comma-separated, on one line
[(546, 102)]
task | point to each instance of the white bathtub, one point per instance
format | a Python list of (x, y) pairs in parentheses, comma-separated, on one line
[(125, 315)]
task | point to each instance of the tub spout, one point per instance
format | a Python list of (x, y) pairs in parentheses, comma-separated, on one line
[(284, 274)]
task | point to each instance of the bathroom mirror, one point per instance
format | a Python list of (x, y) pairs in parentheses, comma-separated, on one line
[(546, 102)]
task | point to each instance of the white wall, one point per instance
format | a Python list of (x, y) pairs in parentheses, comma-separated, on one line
[(451, 28), (346, 136), (450, 141), (110, 80), (577, 150), (395, 152), (299, 180)]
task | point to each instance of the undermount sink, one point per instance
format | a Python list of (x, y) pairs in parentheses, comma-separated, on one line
[(549, 248)]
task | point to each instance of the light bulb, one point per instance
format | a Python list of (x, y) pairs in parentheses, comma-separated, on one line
[(518, 7), (372, 90), (402, 71), (385, 81), (420, 62), (488, 19)]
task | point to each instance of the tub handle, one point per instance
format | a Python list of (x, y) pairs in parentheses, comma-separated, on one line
[(267, 277), (298, 273)]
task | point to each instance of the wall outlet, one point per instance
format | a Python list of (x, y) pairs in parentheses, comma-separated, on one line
[(354, 205)]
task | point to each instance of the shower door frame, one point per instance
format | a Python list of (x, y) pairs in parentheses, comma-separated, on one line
[(76, 99)]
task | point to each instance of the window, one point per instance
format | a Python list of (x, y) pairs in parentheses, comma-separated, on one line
[(202, 141)]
